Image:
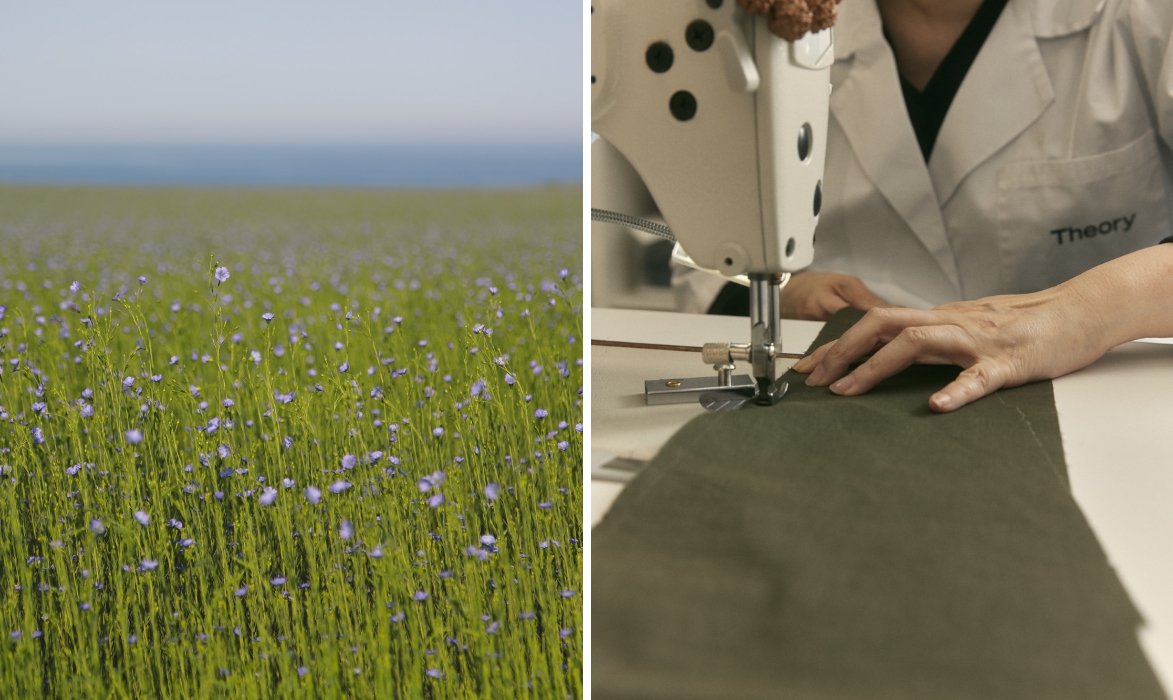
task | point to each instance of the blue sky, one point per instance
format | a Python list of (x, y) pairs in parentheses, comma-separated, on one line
[(260, 71)]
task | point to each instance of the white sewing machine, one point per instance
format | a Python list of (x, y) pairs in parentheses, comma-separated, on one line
[(712, 134)]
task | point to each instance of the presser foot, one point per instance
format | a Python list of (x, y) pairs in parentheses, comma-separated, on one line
[(770, 394), (732, 400)]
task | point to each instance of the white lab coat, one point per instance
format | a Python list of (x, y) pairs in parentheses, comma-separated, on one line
[(1054, 156)]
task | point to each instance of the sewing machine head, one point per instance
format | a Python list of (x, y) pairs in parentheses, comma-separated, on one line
[(724, 124)]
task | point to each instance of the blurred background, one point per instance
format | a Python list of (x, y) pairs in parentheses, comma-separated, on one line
[(265, 93)]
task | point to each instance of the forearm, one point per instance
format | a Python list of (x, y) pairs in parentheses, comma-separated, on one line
[(1127, 298)]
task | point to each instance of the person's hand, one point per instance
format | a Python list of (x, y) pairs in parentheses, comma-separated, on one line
[(816, 296), (1006, 341)]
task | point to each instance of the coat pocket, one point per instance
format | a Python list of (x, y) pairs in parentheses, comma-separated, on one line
[(1059, 218)]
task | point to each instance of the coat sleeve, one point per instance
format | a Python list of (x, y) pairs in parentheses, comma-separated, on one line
[(1150, 24)]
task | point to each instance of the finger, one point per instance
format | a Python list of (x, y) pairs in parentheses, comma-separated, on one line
[(808, 363), (826, 305), (930, 345), (856, 294), (878, 327), (972, 384)]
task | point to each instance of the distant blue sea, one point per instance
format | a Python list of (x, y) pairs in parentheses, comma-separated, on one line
[(424, 166)]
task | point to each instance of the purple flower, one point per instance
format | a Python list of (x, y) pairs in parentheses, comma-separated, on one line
[(510, 379), (436, 500), (268, 495), (288, 483), (134, 436), (564, 633), (488, 539), (492, 491), (477, 387), (38, 436), (493, 627), (437, 432), (420, 595), (344, 367), (128, 382), (222, 274), (339, 486), (434, 673), (142, 279), (567, 593), (433, 480), (578, 427), (149, 564), (346, 530), (142, 518), (313, 495), (187, 542), (526, 616), (348, 461), (376, 553), (75, 287), (545, 504), (39, 407), (228, 403), (87, 411), (398, 617), (541, 413), (301, 671), (240, 592), (267, 316), (277, 580), (563, 445), (288, 442), (224, 451), (97, 527)]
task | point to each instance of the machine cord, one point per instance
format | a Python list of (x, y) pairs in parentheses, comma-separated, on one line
[(635, 222)]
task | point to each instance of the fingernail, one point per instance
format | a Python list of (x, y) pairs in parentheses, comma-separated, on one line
[(816, 376), (942, 401), (843, 384)]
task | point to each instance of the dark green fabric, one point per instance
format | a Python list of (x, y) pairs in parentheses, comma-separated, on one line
[(864, 547)]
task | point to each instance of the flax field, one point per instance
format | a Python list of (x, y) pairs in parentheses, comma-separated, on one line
[(291, 443)]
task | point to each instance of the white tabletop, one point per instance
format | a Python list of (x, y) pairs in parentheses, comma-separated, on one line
[(1116, 418)]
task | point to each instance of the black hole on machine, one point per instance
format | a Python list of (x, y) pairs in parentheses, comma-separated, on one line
[(592, 80), (683, 105), (804, 142), (659, 57), (715, 4), (699, 35), (790, 248), (728, 262), (818, 197)]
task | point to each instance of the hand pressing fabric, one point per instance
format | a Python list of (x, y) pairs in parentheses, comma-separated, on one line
[(792, 19), (1005, 341), (816, 296)]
